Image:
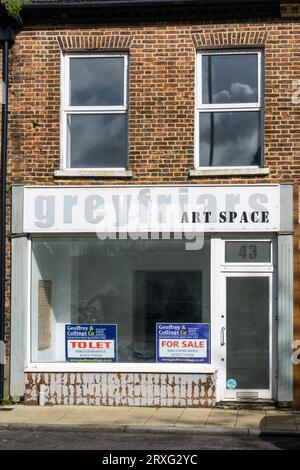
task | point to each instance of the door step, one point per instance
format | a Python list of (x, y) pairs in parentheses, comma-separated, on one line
[(248, 404)]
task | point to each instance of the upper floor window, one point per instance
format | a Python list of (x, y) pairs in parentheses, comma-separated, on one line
[(229, 109), (95, 108)]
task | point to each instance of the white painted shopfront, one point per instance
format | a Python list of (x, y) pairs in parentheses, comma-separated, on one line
[(138, 256)]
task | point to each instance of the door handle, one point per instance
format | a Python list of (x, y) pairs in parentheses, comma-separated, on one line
[(222, 336)]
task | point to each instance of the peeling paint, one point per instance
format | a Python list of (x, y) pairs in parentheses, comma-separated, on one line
[(118, 389)]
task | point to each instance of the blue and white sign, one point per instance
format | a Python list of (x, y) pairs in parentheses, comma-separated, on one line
[(231, 384), (91, 343), (183, 342)]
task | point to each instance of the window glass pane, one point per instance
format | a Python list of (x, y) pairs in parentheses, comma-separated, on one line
[(97, 140), (97, 81), (230, 138), (248, 331), (248, 252), (131, 283), (230, 78)]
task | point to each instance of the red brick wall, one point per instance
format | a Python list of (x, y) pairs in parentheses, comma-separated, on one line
[(161, 126), (161, 99)]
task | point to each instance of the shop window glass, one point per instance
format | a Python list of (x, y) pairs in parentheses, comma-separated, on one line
[(131, 283)]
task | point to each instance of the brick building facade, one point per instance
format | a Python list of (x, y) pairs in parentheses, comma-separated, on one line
[(161, 43)]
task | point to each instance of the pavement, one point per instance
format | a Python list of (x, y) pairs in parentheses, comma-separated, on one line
[(151, 420)]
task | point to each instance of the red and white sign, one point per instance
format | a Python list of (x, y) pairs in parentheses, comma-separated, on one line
[(84, 349), (185, 348)]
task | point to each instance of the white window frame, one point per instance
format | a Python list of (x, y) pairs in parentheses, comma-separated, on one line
[(248, 266), (200, 107), (115, 367), (67, 110)]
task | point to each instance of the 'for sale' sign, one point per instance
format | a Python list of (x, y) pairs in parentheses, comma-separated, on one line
[(182, 342), (91, 343)]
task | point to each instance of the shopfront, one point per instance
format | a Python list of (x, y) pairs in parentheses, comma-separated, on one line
[(157, 295)]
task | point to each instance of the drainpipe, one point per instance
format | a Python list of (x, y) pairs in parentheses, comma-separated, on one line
[(6, 38)]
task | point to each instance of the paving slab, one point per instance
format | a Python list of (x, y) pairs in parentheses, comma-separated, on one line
[(29, 414), (136, 416), (250, 419), (270, 420), (165, 416), (193, 417), (223, 418), (95, 415)]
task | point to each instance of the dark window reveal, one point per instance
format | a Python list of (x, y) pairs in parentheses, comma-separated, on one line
[(164, 297)]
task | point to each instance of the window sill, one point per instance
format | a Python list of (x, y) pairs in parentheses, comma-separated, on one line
[(122, 367), (230, 172), (93, 173)]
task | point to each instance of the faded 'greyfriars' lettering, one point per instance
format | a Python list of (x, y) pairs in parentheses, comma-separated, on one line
[(209, 203), (44, 211), (144, 199), (94, 209), (184, 199), (121, 211), (231, 201), (162, 202), (255, 202), (69, 203)]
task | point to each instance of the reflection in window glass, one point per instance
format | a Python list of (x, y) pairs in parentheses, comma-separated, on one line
[(97, 140), (161, 296), (248, 331), (230, 138), (133, 284), (230, 78), (97, 81)]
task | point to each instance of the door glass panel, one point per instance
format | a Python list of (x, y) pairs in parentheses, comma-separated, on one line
[(248, 332)]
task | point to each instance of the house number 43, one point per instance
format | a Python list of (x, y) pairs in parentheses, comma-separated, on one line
[(248, 252)]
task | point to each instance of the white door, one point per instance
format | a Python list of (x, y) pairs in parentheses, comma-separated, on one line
[(246, 336), (244, 317)]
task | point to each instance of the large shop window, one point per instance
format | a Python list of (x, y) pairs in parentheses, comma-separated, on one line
[(95, 111), (229, 112), (133, 284)]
